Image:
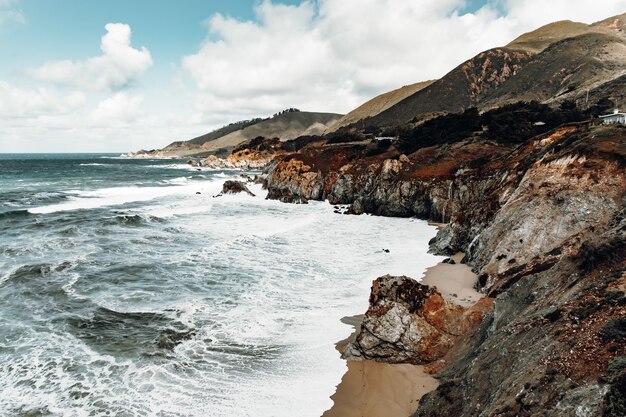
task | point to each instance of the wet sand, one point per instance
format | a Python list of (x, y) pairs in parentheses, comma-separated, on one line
[(375, 389)]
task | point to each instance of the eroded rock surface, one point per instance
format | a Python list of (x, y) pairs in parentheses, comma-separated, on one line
[(543, 224), (410, 322), (235, 187)]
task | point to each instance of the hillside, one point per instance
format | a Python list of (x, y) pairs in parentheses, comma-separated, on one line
[(285, 126), (542, 223), (536, 210), (379, 104), (538, 40), (560, 61)]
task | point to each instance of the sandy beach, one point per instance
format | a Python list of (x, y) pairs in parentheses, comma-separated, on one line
[(455, 281), (376, 389), (370, 389)]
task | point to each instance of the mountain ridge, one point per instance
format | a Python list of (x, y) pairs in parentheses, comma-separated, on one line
[(286, 125), (544, 65)]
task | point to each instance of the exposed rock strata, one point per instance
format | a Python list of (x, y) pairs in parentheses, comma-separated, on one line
[(236, 162), (411, 322), (542, 223)]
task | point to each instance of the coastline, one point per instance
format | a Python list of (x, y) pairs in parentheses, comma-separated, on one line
[(372, 389)]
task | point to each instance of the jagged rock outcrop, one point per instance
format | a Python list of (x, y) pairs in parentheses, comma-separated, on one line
[(542, 223), (434, 184), (237, 162), (410, 322), (234, 187), (286, 196), (293, 180), (548, 194)]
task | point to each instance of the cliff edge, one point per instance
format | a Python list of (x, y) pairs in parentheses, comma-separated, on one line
[(543, 224)]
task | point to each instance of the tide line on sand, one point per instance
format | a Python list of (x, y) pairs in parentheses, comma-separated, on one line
[(374, 389)]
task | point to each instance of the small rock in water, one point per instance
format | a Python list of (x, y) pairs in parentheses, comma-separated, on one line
[(386, 250), (198, 192), (234, 187)]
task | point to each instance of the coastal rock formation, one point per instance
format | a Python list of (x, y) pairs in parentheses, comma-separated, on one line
[(543, 225), (294, 179), (410, 322), (235, 162), (235, 187)]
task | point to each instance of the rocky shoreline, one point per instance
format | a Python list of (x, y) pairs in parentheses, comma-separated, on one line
[(374, 386), (543, 226)]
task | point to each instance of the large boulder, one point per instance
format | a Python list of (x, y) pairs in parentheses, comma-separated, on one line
[(410, 322)]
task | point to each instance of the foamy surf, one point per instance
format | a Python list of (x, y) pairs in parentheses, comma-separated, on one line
[(158, 301), (122, 195)]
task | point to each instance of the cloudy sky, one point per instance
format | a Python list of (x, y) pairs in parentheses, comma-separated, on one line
[(120, 75)]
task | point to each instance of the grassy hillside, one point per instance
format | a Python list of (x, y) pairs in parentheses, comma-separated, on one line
[(560, 61), (538, 40), (285, 126), (379, 104)]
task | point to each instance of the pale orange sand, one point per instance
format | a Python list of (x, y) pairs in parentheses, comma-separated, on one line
[(454, 282), (375, 389)]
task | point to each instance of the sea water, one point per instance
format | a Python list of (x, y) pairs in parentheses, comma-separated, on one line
[(128, 289)]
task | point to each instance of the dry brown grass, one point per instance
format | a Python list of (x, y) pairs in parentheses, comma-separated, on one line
[(379, 104)]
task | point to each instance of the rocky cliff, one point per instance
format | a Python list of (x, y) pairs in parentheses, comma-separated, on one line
[(411, 322), (543, 224)]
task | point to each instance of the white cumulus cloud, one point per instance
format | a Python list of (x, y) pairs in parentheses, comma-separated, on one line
[(18, 102), (120, 109), (119, 65), (332, 55), (8, 13)]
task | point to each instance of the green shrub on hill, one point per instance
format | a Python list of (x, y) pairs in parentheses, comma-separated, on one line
[(509, 125)]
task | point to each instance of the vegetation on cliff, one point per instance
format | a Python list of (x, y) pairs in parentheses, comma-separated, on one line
[(541, 219)]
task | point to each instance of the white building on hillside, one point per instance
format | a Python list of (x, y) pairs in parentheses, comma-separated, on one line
[(614, 118)]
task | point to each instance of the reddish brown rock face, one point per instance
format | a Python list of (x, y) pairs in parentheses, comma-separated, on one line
[(411, 322)]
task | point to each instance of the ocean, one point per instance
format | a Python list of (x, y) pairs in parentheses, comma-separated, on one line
[(128, 289)]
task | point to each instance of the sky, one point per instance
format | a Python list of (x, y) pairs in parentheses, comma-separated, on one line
[(124, 75)]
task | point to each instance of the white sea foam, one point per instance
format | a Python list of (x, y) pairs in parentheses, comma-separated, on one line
[(121, 195), (93, 165), (179, 180), (311, 268), (185, 167), (263, 285)]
